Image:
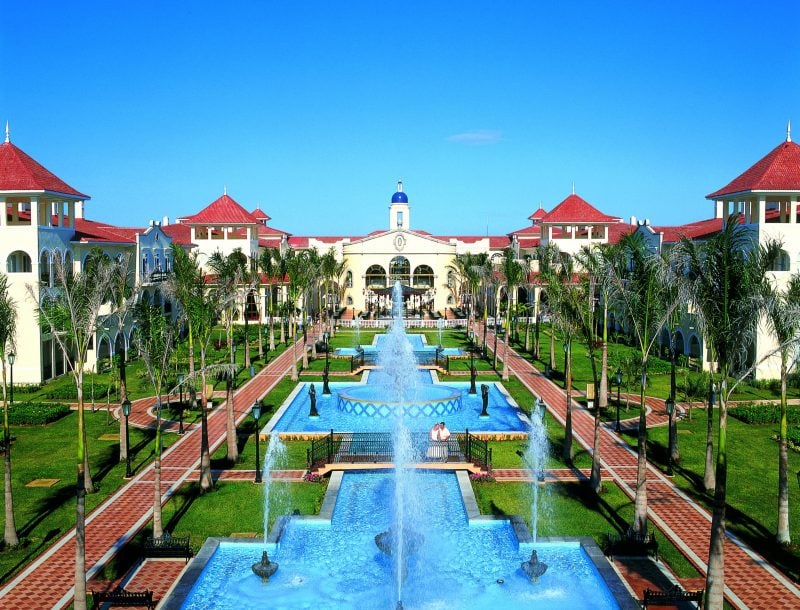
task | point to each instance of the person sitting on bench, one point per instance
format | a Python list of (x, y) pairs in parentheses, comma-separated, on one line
[(438, 437)]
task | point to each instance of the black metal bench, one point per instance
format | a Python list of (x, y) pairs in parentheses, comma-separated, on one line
[(121, 597), (671, 597), (632, 543), (168, 546)]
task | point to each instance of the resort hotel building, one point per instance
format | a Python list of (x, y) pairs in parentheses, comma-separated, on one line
[(46, 220)]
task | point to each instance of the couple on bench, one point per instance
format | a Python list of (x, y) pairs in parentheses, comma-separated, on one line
[(438, 437)]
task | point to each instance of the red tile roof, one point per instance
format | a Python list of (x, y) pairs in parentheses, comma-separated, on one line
[(91, 231), (692, 230), (259, 215), (778, 171), (538, 214), (19, 172), (576, 210), (223, 211), (181, 234)]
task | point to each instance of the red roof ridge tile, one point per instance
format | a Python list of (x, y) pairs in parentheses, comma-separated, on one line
[(575, 209), (224, 210)]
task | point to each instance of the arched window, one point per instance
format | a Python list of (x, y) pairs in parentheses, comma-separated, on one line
[(18, 262), (400, 269), (68, 263), (348, 279), (376, 277), (44, 268), (423, 277)]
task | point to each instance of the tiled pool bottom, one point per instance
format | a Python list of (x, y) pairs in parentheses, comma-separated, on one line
[(335, 564)]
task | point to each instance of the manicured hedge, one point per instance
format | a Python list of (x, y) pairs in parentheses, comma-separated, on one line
[(764, 414), (70, 392), (36, 413), (794, 437)]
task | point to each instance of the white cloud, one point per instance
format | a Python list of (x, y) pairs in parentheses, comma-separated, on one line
[(479, 137)]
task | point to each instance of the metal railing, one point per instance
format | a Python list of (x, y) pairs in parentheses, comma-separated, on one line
[(377, 447)]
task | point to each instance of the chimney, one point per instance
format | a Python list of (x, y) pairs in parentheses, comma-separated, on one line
[(165, 221), (633, 220)]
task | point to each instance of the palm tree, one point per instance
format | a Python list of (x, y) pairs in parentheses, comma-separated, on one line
[(187, 287), (155, 340), (268, 263), (513, 274), (783, 317), (728, 281), (297, 270), (70, 313), (8, 331), (638, 290), (122, 296), (229, 272)]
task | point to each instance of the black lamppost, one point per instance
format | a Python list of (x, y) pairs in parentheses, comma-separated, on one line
[(618, 380), (126, 411), (670, 403), (257, 415), (180, 403), (325, 387)]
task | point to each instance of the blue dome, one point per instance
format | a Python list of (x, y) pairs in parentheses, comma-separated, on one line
[(399, 197)]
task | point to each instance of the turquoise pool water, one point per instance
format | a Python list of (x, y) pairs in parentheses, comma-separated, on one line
[(422, 350), (460, 565)]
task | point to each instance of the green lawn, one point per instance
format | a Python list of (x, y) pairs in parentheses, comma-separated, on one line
[(752, 482), (42, 514)]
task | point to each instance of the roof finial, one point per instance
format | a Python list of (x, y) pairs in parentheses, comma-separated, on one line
[(573, 187), (399, 185), (788, 131), (8, 134), (225, 189)]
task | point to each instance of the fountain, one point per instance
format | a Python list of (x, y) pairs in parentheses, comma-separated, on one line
[(533, 568), (274, 457), (400, 368), (536, 457), (264, 568), (436, 555)]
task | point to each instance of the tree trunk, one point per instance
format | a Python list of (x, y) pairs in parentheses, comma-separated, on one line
[(88, 485), (192, 385), (206, 480), (673, 392), (552, 348), (157, 526), (79, 602), (708, 474), (602, 398), (230, 417), (123, 395), (640, 500), (784, 536), (10, 531), (595, 481), (567, 453), (715, 577), (505, 349)]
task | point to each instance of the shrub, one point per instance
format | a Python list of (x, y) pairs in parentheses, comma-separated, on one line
[(793, 437), (36, 413), (70, 392), (483, 477), (763, 414), (312, 477)]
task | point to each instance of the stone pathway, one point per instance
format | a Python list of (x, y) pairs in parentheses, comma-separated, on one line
[(49, 581), (751, 582)]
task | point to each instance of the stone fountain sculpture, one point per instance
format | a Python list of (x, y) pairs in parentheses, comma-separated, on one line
[(264, 568), (533, 567)]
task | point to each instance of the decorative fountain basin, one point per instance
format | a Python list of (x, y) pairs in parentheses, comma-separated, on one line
[(370, 401)]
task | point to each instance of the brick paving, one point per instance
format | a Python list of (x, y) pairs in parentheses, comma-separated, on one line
[(50, 579), (750, 581)]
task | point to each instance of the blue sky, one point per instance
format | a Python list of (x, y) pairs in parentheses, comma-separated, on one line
[(313, 110)]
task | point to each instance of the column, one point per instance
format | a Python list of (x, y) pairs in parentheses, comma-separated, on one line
[(762, 209), (70, 213), (3, 215), (793, 209), (60, 205)]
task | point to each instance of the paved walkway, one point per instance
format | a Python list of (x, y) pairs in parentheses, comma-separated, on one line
[(49, 581), (751, 582)]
